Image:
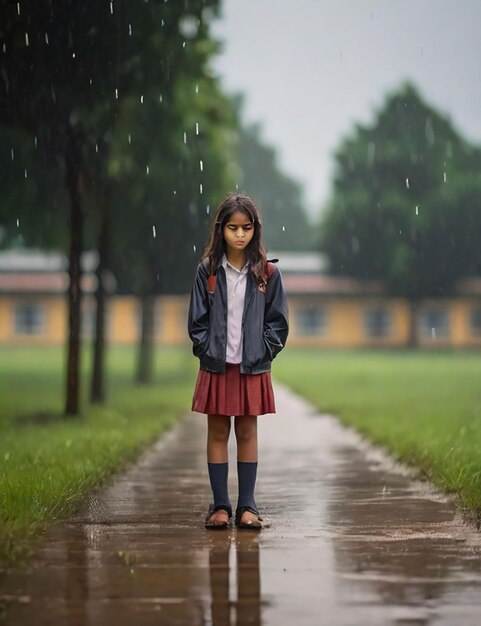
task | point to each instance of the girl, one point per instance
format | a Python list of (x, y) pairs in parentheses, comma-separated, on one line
[(238, 324)]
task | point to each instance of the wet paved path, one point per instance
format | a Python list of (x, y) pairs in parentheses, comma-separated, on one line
[(353, 541)]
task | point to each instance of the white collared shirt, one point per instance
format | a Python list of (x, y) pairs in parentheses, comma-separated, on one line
[(236, 290)]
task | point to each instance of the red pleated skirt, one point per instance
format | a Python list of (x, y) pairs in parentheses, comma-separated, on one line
[(233, 393)]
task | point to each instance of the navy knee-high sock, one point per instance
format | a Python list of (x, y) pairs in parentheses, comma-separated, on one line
[(246, 474), (218, 481)]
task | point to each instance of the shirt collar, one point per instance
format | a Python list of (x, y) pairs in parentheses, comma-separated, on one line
[(226, 263)]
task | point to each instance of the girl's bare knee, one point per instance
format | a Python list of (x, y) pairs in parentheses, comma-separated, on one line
[(219, 428), (245, 428)]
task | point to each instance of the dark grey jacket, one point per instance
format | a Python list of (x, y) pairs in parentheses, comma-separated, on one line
[(264, 321)]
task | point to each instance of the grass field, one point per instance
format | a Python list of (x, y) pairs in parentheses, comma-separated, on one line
[(49, 463), (425, 407)]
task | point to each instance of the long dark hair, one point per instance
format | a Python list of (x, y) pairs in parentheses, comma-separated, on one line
[(255, 251)]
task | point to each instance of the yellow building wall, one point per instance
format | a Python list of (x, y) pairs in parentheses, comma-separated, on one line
[(460, 333), (344, 321), (54, 327), (123, 320)]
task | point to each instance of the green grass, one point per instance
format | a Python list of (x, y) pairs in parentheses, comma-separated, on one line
[(425, 407), (49, 463)]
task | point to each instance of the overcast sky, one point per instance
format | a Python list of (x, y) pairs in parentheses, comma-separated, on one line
[(310, 68)]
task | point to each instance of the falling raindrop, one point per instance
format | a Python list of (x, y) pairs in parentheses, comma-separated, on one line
[(207, 209), (162, 22), (400, 232), (147, 169), (445, 177), (130, 30), (90, 81), (116, 94), (130, 138), (141, 99), (201, 188), (433, 333), (417, 210), (201, 163), (46, 39), (183, 45), (407, 183), (96, 147), (18, 223), (236, 187), (195, 247), (112, 8), (197, 128), (26, 173), (196, 87), (185, 137), (154, 233), (27, 43), (284, 229), (161, 98), (12, 153), (4, 48), (73, 55), (18, 8), (35, 141), (175, 192)]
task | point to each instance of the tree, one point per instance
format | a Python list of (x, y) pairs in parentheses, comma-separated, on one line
[(62, 67), (402, 186)]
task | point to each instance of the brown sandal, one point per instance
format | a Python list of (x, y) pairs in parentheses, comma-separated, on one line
[(212, 525), (250, 525)]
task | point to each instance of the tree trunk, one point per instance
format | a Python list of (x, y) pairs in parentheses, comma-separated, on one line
[(145, 365), (97, 389), (74, 295), (413, 319)]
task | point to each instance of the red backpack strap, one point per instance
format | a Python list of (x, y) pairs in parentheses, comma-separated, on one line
[(270, 269), (211, 283)]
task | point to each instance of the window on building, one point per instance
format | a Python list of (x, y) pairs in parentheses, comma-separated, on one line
[(435, 322), (377, 322), (311, 320), (475, 320), (28, 318)]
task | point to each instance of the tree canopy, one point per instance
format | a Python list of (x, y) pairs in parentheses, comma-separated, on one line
[(406, 200)]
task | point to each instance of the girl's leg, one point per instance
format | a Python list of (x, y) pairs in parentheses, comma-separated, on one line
[(246, 436), (218, 430)]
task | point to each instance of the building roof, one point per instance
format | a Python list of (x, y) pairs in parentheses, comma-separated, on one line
[(300, 262), (34, 260), (332, 285), (45, 272), (42, 282)]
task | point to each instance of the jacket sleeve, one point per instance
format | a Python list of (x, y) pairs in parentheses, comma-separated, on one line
[(198, 318), (276, 325)]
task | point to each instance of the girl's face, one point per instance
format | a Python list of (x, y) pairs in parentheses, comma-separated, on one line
[(238, 231)]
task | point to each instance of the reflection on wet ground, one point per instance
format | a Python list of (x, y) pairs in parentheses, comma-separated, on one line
[(354, 540)]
